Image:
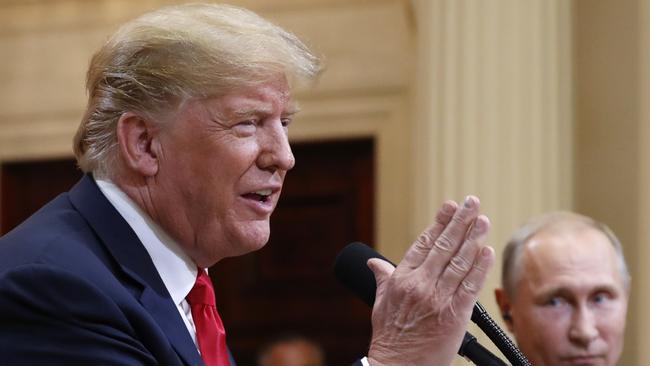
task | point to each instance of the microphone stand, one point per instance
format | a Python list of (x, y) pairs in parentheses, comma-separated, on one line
[(477, 354), (481, 318)]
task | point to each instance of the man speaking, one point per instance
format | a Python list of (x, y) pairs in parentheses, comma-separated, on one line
[(184, 143)]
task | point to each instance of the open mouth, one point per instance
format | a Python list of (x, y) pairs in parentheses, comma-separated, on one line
[(260, 196)]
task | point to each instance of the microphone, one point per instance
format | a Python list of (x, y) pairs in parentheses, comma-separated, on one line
[(350, 268)]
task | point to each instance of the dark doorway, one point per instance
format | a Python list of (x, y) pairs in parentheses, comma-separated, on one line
[(26, 186), (288, 286)]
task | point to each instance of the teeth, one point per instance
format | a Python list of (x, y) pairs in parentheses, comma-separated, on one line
[(264, 192)]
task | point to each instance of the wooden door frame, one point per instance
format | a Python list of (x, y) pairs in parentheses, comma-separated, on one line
[(385, 119)]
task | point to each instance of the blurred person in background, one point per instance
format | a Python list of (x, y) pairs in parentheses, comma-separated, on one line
[(291, 350)]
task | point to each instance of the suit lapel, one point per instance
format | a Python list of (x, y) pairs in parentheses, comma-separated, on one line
[(166, 315), (128, 251)]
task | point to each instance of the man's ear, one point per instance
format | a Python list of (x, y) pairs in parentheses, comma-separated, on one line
[(505, 306), (134, 138)]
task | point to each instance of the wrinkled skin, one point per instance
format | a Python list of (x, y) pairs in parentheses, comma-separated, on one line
[(423, 306)]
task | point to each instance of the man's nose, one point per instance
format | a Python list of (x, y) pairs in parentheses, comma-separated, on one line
[(275, 151), (583, 327)]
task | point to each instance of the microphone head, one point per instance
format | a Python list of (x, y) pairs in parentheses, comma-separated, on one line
[(351, 269)]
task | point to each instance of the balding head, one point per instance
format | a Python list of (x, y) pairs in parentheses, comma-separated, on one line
[(555, 223)]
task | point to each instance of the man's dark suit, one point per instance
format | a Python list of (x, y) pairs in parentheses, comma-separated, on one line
[(78, 288)]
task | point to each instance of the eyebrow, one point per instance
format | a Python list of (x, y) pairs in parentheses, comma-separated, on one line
[(552, 292), (566, 292), (291, 109), (606, 288)]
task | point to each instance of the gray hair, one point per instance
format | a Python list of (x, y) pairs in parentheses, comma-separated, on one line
[(155, 62), (555, 220)]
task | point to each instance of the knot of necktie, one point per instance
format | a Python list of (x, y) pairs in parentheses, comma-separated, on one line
[(202, 292), (210, 332)]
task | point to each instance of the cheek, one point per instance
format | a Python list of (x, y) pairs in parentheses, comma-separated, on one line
[(537, 337), (612, 314), (219, 174), (545, 325), (232, 166), (612, 324)]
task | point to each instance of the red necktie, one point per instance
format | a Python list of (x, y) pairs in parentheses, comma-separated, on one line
[(210, 333)]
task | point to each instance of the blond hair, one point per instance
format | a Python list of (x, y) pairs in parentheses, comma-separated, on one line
[(156, 61)]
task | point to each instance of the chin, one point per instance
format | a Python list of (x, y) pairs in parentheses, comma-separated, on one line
[(257, 243), (255, 238)]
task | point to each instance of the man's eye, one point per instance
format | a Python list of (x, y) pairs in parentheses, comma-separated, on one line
[(555, 301), (245, 128), (286, 122), (249, 122), (247, 125), (600, 297)]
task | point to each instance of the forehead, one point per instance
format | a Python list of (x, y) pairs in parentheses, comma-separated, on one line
[(270, 97), (264, 99), (574, 259)]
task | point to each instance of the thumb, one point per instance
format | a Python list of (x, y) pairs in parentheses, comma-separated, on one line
[(382, 271)]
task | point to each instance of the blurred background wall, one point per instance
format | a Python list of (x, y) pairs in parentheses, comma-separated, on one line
[(532, 105)]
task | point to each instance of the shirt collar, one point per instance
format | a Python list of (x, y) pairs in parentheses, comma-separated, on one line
[(177, 271)]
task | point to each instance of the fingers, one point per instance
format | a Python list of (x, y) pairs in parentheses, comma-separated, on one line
[(382, 271), (419, 251), (472, 284), (447, 252), (461, 263), (445, 245)]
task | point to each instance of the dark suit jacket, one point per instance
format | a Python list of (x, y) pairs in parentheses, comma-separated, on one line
[(77, 287)]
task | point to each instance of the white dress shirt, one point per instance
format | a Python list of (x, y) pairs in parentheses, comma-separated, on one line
[(177, 271)]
